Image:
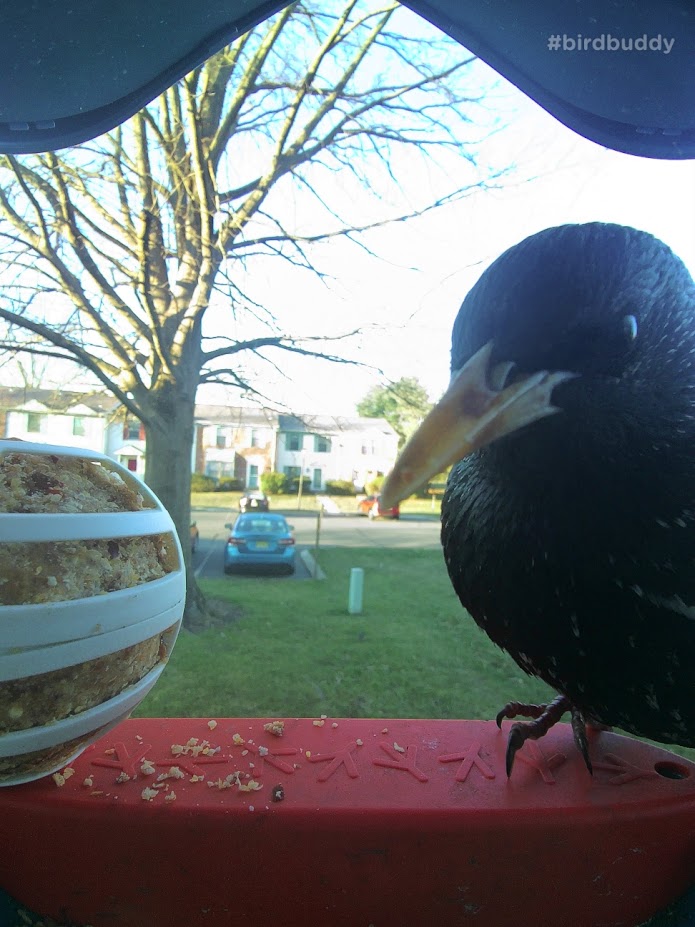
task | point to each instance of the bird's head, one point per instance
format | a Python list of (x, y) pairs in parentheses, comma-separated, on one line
[(581, 326)]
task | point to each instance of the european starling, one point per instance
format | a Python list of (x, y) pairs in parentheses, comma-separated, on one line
[(568, 521)]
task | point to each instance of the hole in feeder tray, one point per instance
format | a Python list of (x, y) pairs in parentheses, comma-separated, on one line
[(671, 770)]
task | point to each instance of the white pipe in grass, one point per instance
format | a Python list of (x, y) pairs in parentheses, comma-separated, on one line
[(356, 591)]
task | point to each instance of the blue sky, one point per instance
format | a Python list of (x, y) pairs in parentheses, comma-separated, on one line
[(409, 296)]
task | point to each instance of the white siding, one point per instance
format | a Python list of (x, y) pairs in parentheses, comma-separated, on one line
[(57, 428)]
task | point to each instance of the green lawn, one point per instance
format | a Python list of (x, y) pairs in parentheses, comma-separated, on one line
[(292, 649), (215, 500), (411, 506), (230, 501)]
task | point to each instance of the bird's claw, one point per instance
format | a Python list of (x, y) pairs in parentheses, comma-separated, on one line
[(579, 731), (544, 717), (518, 735), (513, 709)]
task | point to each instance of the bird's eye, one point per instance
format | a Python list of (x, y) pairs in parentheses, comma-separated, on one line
[(630, 327)]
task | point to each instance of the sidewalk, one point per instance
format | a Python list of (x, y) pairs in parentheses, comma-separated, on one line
[(328, 505)]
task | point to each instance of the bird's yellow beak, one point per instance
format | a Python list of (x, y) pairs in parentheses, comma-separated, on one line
[(468, 416)]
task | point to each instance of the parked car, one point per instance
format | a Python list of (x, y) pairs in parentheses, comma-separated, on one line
[(254, 502), (195, 537), (259, 541), (371, 506)]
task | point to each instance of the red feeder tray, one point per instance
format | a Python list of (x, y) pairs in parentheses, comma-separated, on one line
[(350, 823)]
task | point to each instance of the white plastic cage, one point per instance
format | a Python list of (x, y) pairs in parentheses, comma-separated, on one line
[(43, 645)]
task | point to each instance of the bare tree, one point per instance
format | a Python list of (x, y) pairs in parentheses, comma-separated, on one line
[(113, 251)]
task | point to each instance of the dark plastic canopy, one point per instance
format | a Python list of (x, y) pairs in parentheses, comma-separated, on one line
[(72, 69)]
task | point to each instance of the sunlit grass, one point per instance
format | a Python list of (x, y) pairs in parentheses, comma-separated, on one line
[(292, 649), (308, 502)]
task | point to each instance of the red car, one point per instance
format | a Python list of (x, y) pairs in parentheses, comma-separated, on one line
[(371, 506)]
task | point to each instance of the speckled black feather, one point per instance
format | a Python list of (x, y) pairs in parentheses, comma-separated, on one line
[(572, 541)]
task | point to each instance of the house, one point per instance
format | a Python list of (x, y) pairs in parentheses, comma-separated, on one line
[(240, 442), (55, 416), (326, 448), (94, 421), (236, 442)]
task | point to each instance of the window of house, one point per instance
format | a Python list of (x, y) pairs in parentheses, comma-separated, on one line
[(292, 473), (369, 448), (34, 421), (253, 476), (219, 469), (258, 437), (133, 430), (78, 426), (322, 445), (293, 441), (221, 438)]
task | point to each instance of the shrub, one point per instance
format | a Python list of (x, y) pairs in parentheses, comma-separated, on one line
[(202, 483), (293, 485), (229, 484), (273, 482), (373, 487), (340, 488)]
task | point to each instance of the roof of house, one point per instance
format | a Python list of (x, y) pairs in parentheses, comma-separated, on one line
[(55, 400), (61, 401), (236, 415), (332, 424)]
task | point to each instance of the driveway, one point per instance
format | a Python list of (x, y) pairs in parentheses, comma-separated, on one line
[(335, 531)]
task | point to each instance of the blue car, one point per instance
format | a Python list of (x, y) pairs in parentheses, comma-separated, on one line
[(259, 542)]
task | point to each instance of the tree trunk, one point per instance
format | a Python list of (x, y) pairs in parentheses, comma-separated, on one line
[(169, 432)]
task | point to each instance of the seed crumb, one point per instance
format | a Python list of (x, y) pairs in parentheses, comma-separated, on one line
[(398, 747), (212, 725), (238, 740), (359, 741), (170, 796), (88, 782), (318, 723), (227, 782), (148, 794), (276, 728), (173, 773), (123, 777), (263, 751)]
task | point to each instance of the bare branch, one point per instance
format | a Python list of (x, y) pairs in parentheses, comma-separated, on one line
[(113, 253), (105, 372)]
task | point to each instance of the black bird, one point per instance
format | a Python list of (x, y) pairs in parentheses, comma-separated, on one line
[(568, 522)]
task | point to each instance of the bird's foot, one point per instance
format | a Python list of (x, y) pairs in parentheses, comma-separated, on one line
[(544, 717)]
